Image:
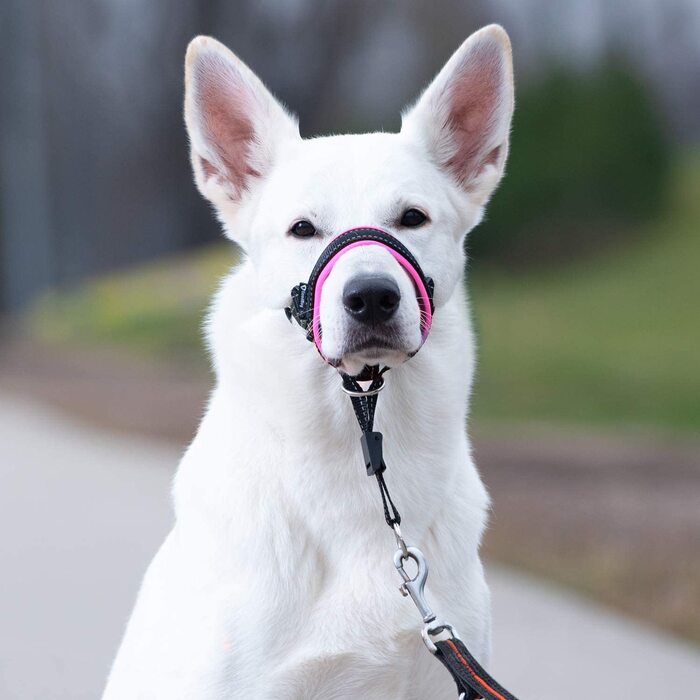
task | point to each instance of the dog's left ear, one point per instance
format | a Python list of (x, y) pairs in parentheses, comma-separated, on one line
[(464, 115)]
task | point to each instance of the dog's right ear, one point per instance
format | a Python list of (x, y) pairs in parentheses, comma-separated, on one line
[(235, 125)]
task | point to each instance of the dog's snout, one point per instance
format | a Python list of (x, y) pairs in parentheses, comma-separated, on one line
[(371, 300)]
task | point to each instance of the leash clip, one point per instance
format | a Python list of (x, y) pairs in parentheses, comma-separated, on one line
[(414, 587), (433, 630)]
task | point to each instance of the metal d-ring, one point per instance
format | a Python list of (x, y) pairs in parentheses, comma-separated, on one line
[(364, 392)]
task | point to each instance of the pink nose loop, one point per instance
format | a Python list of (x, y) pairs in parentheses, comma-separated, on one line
[(424, 303)]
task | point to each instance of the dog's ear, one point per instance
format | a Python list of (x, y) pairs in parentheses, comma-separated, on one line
[(235, 125), (464, 115)]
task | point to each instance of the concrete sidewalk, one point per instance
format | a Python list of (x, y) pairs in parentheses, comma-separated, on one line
[(83, 510)]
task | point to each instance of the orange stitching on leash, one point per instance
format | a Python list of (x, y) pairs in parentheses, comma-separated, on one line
[(464, 662)]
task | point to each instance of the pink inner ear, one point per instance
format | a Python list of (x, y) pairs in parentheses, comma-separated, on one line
[(473, 100), (225, 104)]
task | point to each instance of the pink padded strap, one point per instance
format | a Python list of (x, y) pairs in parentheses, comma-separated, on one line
[(426, 317)]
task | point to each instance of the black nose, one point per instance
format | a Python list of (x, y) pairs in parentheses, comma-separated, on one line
[(371, 300)]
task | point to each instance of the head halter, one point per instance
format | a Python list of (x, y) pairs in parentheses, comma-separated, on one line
[(306, 296)]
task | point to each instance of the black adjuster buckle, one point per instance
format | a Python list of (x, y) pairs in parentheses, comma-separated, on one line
[(371, 442), (300, 310)]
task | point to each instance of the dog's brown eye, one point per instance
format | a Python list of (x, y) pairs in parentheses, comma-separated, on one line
[(303, 229), (412, 218)]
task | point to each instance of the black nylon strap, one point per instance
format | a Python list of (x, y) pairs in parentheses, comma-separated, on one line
[(471, 678), (392, 517), (364, 407)]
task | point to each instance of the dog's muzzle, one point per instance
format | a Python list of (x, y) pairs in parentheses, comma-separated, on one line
[(306, 296)]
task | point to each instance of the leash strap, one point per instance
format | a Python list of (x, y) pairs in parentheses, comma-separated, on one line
[(472, 680), (364, 403)]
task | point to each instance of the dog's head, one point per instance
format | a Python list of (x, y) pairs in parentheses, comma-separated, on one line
[(283, 198)]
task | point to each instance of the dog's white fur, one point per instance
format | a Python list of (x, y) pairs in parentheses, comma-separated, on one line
[(277, 580)]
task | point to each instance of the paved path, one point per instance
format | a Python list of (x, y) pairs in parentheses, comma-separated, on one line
[(82, 511)]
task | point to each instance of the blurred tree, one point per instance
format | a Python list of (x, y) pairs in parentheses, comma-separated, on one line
[(589, 158)]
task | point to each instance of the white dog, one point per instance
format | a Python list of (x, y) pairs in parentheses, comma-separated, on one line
[(277, 579)]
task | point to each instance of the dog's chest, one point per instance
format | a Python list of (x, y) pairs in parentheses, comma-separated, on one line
[(323, 638), (310, 626), (296, 593), (382, 669)]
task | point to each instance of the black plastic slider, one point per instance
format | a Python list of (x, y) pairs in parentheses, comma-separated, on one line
[(299, 309), (371, 442)]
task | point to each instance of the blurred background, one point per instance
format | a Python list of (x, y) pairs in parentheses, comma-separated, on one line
[(584, 276)]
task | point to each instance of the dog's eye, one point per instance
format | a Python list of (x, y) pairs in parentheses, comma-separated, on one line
[(412, 218), (303, 229)]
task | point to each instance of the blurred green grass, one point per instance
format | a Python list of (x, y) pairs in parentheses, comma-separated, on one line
[(155, 311), (609, 341)]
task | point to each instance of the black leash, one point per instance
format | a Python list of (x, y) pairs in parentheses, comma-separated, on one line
[(473, 682), (471, 678), (364, 402)]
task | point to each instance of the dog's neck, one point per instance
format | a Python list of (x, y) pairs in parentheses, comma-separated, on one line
[(277, 388)]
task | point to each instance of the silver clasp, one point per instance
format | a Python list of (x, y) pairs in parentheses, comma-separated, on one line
[(414, 587), (434, 630)]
